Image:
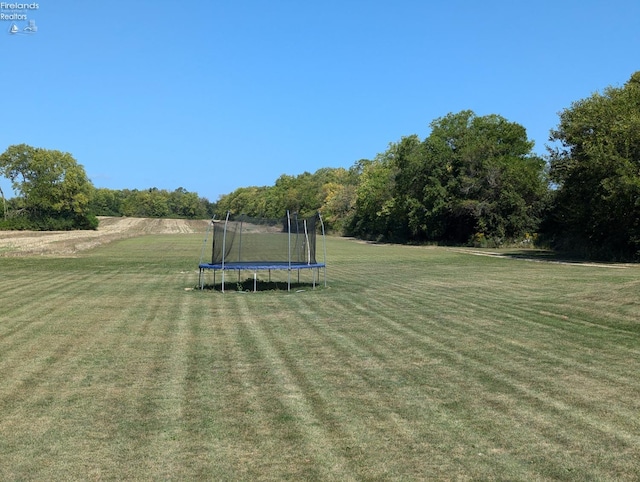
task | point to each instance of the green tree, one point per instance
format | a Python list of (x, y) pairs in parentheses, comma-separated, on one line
[(596, 168), (338, 196), (330, 189), (106, 202), (296, 194), (50, 184), (185, 204), (375, 202), (4, 205), (251, 201), (151, 203), (480, 178), (472, 177), (408, 157)]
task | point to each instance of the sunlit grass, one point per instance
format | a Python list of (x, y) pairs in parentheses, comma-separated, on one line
[(414, 363)]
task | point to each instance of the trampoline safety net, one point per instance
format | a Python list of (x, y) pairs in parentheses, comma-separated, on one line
[(244, 243), (251, 240)]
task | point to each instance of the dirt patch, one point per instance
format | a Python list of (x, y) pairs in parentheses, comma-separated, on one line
[(69, 243)]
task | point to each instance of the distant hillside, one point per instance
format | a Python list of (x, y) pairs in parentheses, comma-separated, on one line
[(68, 243)]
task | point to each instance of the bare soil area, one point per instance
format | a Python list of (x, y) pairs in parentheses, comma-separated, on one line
[(68, 243)]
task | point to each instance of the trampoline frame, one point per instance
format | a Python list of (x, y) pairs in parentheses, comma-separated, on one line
[(269, 266)]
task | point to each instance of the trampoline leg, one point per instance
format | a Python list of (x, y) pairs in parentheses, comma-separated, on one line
[(255, 281)]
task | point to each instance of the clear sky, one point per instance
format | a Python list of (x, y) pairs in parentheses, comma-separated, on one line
[(213, 95)]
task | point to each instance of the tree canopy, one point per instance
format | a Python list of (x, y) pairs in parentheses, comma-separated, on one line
[(472, 177), (330, 190), (152, 202), (596, 168), (51, 187)]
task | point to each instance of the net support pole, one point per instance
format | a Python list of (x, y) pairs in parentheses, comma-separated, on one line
[(210, 227), (240, 258), (289, 251), (324, 249), (206, 238), (224, 246)]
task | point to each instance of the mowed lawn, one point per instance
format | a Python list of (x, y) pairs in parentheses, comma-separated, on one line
[(415, 363)]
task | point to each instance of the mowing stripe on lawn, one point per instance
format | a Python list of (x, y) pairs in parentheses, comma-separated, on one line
[(415, 363)]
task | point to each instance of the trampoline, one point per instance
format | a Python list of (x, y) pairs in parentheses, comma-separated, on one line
[(258, 245)]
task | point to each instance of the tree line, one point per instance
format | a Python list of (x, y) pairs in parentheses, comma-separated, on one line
[(473, 180), (150, 203), (476, 180), (54, 193)]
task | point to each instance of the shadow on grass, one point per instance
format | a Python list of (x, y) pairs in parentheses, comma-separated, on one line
[(537, 255), (553, 257), (247, 286)]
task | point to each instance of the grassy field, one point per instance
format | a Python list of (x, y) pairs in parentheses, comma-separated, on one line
[(415, 363)]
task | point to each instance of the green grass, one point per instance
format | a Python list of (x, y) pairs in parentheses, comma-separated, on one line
[(415, 363)]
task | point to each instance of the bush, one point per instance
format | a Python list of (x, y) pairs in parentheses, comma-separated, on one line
[(50, 222)]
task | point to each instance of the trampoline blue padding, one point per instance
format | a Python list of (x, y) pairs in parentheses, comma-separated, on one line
[(256, 266), (260, 265)]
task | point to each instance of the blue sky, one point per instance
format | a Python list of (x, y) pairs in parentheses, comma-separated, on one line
[(213, 95)]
